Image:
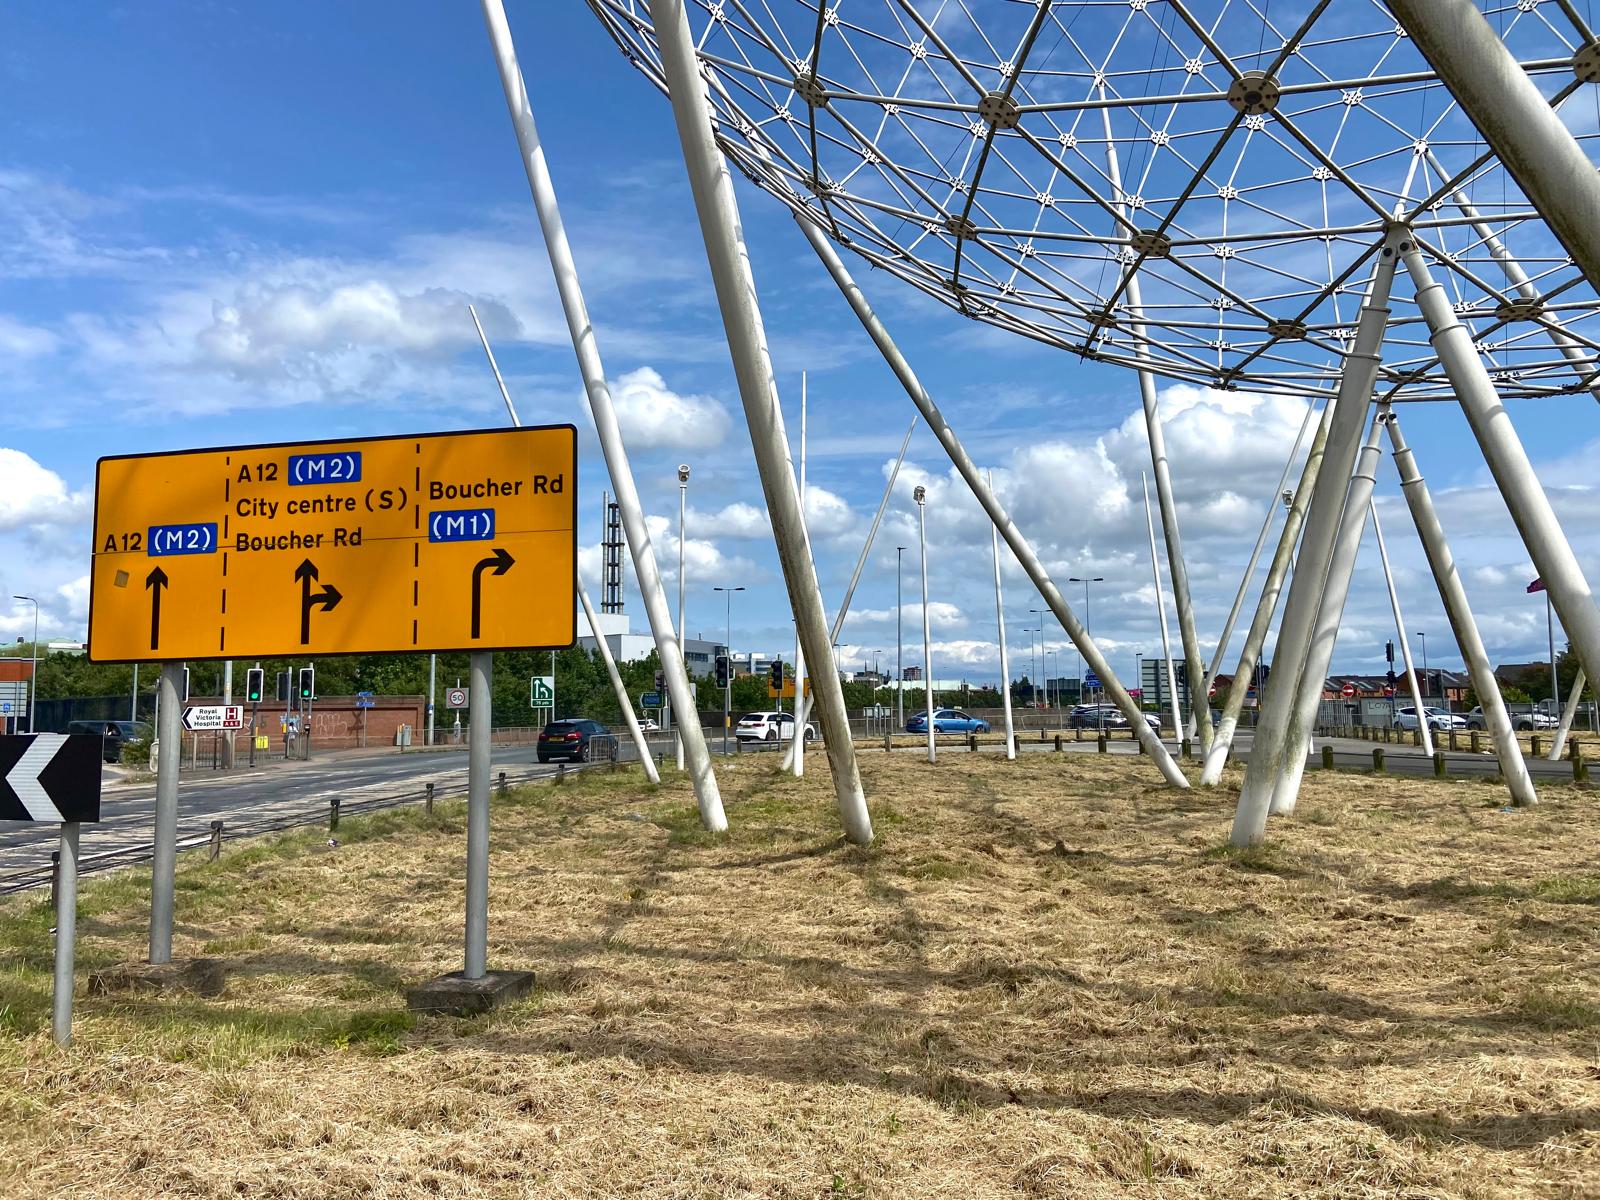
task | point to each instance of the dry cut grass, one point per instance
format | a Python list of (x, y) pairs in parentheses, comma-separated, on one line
[(1047, 979)]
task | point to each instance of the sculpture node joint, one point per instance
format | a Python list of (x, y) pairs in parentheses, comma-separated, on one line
[(1000, 110), (1102, 319), (1287, 329), (1586, 62), (1152, 243), (961, 227), (1519, 309), (1253, 93), (809, 89)]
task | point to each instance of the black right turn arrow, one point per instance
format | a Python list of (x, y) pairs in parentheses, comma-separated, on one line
[(501, 562), (156, 582), (328, 597)]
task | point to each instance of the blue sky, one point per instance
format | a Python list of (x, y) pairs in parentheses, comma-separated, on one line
[(225, 224)]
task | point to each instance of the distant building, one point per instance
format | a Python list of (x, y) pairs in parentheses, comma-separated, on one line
[(626, 646)]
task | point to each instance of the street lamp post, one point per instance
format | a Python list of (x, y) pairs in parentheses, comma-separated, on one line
[(727, 650), (33, 666), (921, 497), (1038, 615), (899, 663), (683, 650)]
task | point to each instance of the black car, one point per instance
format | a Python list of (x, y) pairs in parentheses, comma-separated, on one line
[(569, 739), (112, 735)]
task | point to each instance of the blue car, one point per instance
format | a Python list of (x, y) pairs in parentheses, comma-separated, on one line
[(947, 720)]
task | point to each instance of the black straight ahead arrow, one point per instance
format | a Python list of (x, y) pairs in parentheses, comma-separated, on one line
[(156, 581), (328, 597), (501, 562)]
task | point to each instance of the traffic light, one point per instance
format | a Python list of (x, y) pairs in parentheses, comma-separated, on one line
[(285, 691), (308, 683), (1388, 653), (661, 681), (777, 674), (722, 670), (255, 679)]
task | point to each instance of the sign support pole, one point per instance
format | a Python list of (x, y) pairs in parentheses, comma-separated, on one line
[(480, 681), (169, 735), (66, 932)]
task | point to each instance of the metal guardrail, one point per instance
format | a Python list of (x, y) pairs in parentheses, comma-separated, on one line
[(326, 812)]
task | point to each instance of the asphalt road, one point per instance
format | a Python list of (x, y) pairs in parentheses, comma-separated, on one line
[(284, 790)]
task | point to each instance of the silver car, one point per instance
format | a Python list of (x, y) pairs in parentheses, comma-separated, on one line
[(1406, 718)]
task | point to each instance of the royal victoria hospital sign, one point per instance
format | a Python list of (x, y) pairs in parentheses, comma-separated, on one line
[(461, 541)]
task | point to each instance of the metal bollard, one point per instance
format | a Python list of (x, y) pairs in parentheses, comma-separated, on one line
[(561, 773), (972, 743), (1042, 736), (1327, 758), (427, 798), (1058, 743), (1077, 734), (1101, 743), (888, 741), (1438, 764), (1377, 759), (216, 842), (333, 814), (501, 784), (1536, 746), (55, 876)]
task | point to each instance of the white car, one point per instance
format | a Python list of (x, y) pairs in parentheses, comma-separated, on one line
[(648, 725), (1406, 718), (769, 727)]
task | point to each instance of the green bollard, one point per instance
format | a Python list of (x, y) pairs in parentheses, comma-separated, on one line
[(1101, 744), (1377, 760), (1327, 758), (1438, 764)]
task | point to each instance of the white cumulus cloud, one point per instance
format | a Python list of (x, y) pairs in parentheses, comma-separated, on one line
[(652, 415), (33, 496)]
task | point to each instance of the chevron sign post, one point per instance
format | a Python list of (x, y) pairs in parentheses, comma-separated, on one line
[(53, 777)]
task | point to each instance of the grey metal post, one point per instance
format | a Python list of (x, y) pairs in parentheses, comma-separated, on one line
[(227, 698), (927, 642), (1400, 633), (1507, 460), (1349, 409), (1516, 121), (133, 707), (1567, 714), (617, 688), (1005, 661), (1442, 563), (1325, 633), (795, 759), (1255, 554), (66, 932), (1550, 633), (1176, 565), (1025, 555), (433, 674), (736, 296), (683, 629), (169, 736), (1161, 612), (646, 572), (855, 576), (899, 644), (1266, 605), (480, 678)]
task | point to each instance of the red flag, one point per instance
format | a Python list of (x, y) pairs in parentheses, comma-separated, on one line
[(1536, 586)]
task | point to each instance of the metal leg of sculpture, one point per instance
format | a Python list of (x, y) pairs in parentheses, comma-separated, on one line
[(1349, 409), (1442, 563), (1508, 462), (618, 689), (1266, 605), (736, 296), (1567, 714), (968, 470), (647, 573), (1000, 620), (1313, 676), (855, 576), (1161, 613), (1412, 685), (1514, 119)]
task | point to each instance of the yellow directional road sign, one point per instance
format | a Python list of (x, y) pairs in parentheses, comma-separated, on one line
[(457, 541)]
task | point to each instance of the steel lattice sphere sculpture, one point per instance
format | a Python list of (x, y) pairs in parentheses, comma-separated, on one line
[(1194, 186)]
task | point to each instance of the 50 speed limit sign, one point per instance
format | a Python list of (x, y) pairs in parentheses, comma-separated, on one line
[(455, 698)]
